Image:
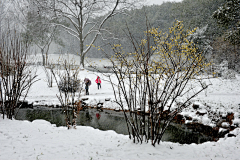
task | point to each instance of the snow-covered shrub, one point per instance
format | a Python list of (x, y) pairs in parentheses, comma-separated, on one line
[(229, 74), (225, 124), (48, 73), (71, 85), (201, 42), (223, 71)]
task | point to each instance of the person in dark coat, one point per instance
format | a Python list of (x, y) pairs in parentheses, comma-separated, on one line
[(87, 83)]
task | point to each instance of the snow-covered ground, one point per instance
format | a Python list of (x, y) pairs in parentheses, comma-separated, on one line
[(41, 140), (23, 140)]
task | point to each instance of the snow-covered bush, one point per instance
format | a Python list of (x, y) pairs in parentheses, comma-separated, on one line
[(223, 71), (225, 124), (71, 85), (201, 42), (229, 74)]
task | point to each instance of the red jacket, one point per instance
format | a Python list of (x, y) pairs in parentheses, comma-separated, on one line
[(98, 80)]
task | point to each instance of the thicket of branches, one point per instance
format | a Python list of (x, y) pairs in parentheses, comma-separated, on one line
[(16, 76), (69, 87), (155, 83)]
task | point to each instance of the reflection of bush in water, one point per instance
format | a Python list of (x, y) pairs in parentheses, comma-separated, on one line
[(175, 134), (84, 118), (179, 135), (88, 116)]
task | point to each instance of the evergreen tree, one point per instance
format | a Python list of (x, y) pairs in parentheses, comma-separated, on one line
[(201, 42), (228, 16)]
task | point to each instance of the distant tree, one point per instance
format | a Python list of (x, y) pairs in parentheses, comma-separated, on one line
[(6, 16), (38, 27), (223, 50), (201, 42), (83, 17), (1, 18), (228, 15)]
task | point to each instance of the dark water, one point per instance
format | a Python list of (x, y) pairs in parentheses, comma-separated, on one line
[(108, 120)]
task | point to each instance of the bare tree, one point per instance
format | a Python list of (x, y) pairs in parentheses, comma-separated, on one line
[(156, 82), (37, 26), (16, 76), (86, 18), (4, 8)]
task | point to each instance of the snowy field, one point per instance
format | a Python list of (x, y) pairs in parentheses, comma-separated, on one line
[(41, 140)]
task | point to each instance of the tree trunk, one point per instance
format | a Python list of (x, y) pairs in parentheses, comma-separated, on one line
[(82, 55), (1, 12), (43, 57), (82, 60)]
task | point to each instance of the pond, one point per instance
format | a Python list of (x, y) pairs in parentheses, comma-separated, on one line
[(107, 120)]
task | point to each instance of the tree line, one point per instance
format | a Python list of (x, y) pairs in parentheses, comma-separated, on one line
[(75, 27), (193, 13)]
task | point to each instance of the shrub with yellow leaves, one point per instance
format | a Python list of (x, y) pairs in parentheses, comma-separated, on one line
[(157, 80)]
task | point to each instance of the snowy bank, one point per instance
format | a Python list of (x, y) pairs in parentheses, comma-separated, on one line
[(41, 140)]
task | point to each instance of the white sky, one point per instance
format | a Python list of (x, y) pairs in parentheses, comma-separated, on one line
[(150, 2)]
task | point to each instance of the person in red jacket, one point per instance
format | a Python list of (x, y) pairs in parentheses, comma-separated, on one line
[(98, 81)]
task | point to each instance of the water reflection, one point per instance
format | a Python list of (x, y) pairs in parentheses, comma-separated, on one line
[(107, 120)]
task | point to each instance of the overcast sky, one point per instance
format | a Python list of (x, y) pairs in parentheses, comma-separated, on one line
[(150, 2)]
